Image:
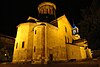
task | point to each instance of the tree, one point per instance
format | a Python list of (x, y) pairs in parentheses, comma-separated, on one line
[(89, 26)]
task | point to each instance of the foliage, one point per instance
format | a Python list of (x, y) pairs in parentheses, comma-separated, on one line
[(90, 25)]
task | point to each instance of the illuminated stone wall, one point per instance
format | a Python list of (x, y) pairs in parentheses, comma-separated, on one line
[(54, 45), (89, 54), (23, 42), (65, 29), (76, 52), (37, 42)]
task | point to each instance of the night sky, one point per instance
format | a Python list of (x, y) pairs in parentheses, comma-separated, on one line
[(14, 12)]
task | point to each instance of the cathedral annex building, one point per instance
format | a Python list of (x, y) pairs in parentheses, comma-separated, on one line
[(49, 39)]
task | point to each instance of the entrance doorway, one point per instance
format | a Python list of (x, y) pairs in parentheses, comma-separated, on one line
[(51, 57)]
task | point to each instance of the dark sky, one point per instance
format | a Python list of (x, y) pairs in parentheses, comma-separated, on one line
[(13, 12)]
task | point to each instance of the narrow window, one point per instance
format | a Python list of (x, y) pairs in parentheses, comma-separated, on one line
[(65, 40), (53, 11), (65, 29), (43, 11), (35, 31), (68, 40), (50, 11), (23, 44), (34, 48), (40, 11), (16, 45), (47, 11)]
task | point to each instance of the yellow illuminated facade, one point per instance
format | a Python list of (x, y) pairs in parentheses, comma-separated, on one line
[(41, 42)]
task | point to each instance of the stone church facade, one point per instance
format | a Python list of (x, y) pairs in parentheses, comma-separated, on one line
[(43, 40)]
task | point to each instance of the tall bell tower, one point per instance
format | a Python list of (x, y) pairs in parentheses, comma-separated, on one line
[(47, 11)]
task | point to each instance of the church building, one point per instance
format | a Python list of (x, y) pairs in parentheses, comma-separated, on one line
[(49, 39)]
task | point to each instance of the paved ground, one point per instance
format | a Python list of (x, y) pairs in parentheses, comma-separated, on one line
[(69, 64), (52, 65)]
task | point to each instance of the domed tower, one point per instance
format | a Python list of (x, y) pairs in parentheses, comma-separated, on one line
[(47, 11)]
